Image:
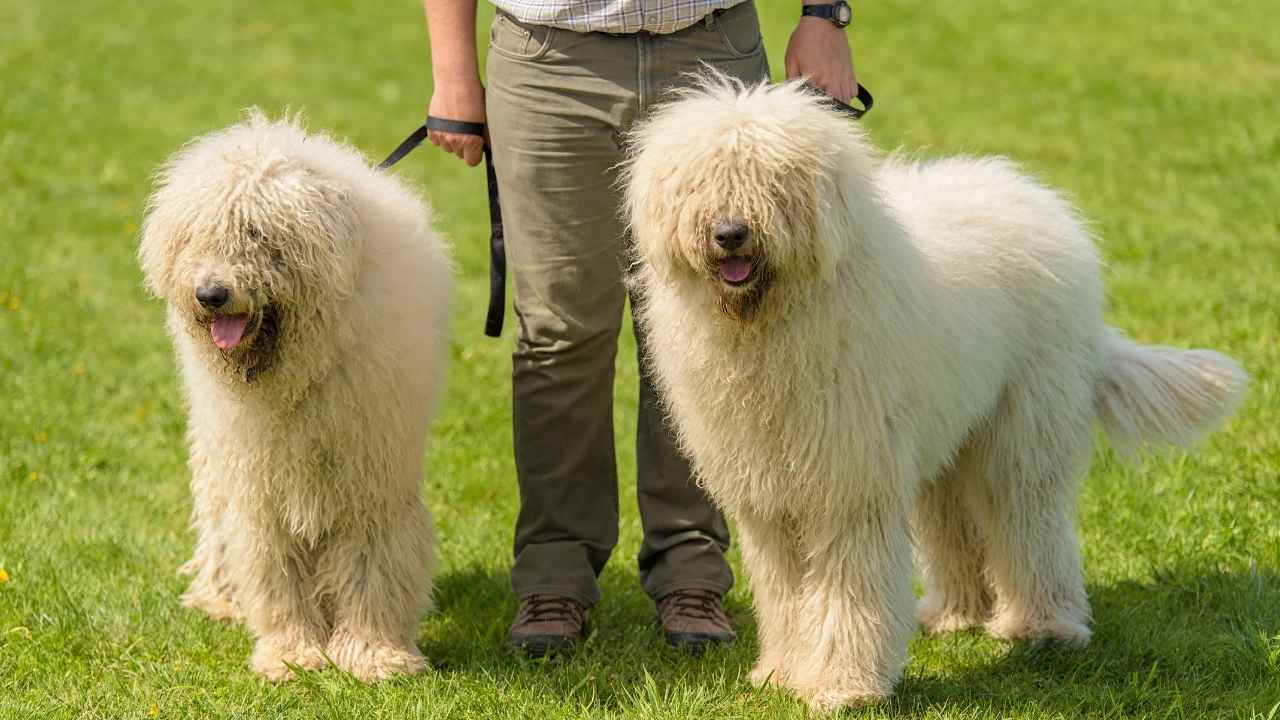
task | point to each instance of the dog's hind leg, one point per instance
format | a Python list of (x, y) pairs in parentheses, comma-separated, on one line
[(1033, 458), (952, 547), (774, 569), (378, 581), (856, 607)]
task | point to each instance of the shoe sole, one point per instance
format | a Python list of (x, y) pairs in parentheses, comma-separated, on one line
[(540, 646), (695, 643)]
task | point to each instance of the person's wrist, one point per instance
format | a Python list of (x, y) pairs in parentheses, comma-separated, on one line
[(812, 20), (455, 80), (460, 90), (820, 26), (457, 71)]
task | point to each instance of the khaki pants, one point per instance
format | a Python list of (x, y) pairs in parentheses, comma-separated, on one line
[(558, 102)]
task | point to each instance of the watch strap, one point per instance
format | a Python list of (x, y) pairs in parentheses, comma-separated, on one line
[(826, 11)]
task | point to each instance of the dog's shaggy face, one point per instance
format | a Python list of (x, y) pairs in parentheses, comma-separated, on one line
[(244, 239), (728, 191)]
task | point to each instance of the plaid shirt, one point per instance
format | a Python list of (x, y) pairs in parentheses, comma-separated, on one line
[(613, 16)]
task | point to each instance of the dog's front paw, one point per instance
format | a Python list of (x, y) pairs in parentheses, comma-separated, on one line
[(373, 660), (217, 605), (768, 671), (832, 700), (272, 659), (828, 689), (937, 616), (1063, 626)]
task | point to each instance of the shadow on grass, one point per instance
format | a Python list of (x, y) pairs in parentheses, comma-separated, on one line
[(1191, 640)]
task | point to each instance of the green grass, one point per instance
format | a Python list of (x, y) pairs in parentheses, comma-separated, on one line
[(1161, 118)]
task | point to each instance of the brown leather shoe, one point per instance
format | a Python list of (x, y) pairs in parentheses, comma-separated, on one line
[(694, 620), (547, 624)]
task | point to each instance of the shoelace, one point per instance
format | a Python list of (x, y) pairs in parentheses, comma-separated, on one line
[(550, 607), (697, 604)]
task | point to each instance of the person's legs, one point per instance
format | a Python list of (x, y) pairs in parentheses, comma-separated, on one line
[(685, 537), (555, 101)]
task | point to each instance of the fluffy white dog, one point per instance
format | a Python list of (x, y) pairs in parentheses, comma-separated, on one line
[(307, 300), (856, 351)]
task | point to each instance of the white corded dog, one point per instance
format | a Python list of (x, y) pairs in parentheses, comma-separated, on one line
[(856, 351), (307, 301)]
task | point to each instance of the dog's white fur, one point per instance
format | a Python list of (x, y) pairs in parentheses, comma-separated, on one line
[(922, 354), (307, 439)]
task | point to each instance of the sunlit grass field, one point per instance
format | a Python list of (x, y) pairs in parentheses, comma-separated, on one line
[(1162, 119)]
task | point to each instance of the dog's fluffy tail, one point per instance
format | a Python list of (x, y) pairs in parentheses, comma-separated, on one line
[(1151, 395)]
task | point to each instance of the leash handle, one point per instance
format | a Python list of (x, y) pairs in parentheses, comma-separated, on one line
[(864, 97), (409, 144), (461, 127), (497, 243)]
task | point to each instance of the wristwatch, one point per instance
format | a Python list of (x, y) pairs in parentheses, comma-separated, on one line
[(838, 12)]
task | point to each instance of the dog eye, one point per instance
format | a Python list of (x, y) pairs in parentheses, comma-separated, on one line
[(277, 257)]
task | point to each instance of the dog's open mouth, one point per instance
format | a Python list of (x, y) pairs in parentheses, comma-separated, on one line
[(232, 333), (228, 330), (736, 270)]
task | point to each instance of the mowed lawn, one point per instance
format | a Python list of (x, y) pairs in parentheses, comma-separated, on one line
[(1162, 119)]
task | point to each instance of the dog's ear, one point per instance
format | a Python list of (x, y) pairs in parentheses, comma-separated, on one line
[(641, 204), (854, 200), (159, 242), (325, 242), (835, 221)]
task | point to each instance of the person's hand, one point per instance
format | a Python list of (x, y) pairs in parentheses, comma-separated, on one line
[(458, 100), (819, 51)]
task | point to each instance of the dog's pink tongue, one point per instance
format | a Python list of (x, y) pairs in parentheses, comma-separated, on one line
[(227, 330), (735, 269)]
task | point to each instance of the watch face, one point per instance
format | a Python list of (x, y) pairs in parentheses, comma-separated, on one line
[(844, 14)]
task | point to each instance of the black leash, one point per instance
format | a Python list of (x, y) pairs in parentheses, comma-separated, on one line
[(497, 249)]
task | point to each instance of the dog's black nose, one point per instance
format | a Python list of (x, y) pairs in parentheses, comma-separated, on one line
[(730, 234), (212, 296)]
